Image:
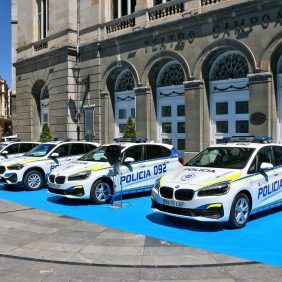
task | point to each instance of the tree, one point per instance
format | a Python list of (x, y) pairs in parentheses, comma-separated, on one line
[(129, 129), (45, 135)]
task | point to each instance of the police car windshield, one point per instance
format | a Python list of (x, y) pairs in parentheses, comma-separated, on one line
[(2, 146), (96, 155), (222, 157), (41, 150)]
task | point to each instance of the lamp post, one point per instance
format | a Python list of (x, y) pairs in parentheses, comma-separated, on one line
[(76, 75)]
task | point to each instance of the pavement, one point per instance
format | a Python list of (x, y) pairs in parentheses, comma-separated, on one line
[(37, 245)]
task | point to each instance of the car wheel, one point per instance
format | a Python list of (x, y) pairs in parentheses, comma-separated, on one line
[(240, 211), (100, 192), (33, 180)]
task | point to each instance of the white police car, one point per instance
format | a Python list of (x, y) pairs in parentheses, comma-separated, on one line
[(225, 182), (15, 149), (33, 168), (91, 176)]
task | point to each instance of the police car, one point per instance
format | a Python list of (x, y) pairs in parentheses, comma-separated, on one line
[(14, 149), (226, 183), (92, 177), (33, 168)]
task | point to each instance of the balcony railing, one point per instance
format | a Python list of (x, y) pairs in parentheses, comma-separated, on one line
[(166, 9), (122, 23), (210, 2)]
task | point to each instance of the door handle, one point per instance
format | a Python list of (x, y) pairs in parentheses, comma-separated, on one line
[(275, 174), (141, 165)]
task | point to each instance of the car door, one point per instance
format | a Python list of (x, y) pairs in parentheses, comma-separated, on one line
[(157, 159), (133, 175), (63, 150), (263, 181)]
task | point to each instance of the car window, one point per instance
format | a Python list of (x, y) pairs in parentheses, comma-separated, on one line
[(167, 152), (153, 152), (264, 155), (277, 151), (25, 147), (40, 150), (89, 147), (135, 152), (77, 149), (222, 157), (63, 150), (13, 149)]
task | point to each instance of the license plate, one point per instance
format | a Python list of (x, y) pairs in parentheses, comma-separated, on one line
[(173, 203)]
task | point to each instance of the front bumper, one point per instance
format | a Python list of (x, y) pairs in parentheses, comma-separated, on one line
[(206, 209), (9, 178)]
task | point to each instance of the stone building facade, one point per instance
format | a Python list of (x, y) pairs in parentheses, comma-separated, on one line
[(189, 72), (5, 109)]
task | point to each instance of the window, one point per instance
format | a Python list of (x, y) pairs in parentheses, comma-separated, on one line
[(13, 149), (42, 18), (122, 8), (158, 2), (277, 155), (63, 150), (77, 149), (263, 156), (153, 152), (89, 147), (134, 152), (25, 147)]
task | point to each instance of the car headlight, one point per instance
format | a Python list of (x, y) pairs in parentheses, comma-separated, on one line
[(216, 189), (15, 167), (157, 184), (80, 175)]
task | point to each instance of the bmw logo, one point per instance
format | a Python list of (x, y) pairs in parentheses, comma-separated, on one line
[(187, 177)]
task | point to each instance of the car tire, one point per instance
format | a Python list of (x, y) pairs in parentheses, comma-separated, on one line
[(240, 211), (100, 192), (33, 180)]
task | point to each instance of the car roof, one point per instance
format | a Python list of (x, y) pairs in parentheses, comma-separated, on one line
[(252, 145), (70, 142), (19, 142), (130, 144)]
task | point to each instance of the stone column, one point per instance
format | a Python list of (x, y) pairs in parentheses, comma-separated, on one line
[(261, 105), (197, 125), (146, 123)]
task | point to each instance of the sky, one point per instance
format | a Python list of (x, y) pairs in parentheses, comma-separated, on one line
[(5, 41)]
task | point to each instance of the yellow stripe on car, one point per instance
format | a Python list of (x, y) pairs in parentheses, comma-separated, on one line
[(230, 177), (22, 162), (215, 206)]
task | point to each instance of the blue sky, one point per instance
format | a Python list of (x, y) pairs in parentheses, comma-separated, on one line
[(5, 41)]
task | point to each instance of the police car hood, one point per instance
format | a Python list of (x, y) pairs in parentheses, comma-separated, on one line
[(195, 177), (77, 166), (19, 160)]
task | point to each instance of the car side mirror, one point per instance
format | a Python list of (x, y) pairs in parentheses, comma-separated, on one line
[(265, 166), (54, 155), (129, 160), (4, 153)]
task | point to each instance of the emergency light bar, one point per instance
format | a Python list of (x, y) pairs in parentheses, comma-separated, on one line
[(255, 139), (130, 140)]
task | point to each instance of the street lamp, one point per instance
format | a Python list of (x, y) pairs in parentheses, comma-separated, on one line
[(85, 81)]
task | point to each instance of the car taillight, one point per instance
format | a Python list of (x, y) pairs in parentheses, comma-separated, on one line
[(181, 160)]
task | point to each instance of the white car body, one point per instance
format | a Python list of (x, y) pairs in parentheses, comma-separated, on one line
[(15, 149), (136, 176), (44, 164), (178, 193)]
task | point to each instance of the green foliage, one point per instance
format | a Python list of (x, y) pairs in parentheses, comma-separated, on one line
[(129, 129), (45, 135)]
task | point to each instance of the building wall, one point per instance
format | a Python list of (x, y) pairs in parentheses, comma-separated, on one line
[(192, 34)]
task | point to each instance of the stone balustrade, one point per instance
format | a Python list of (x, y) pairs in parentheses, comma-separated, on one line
[(121, 23), (210, 2), (166, 10)]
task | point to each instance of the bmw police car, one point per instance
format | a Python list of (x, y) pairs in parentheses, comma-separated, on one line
[(15, 149), (91, 176), (33, 168), (226, 182)]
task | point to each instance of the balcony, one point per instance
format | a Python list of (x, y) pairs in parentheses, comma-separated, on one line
[(122, 23), (210, 2), (166, 10)]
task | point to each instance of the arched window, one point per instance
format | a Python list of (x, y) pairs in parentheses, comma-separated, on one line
[(124, 82), (171, 74), (231, 65)]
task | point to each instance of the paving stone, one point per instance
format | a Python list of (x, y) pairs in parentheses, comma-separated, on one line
[(114, 250)]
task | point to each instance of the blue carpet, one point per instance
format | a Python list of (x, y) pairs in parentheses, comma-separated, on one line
[(260, 240)]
